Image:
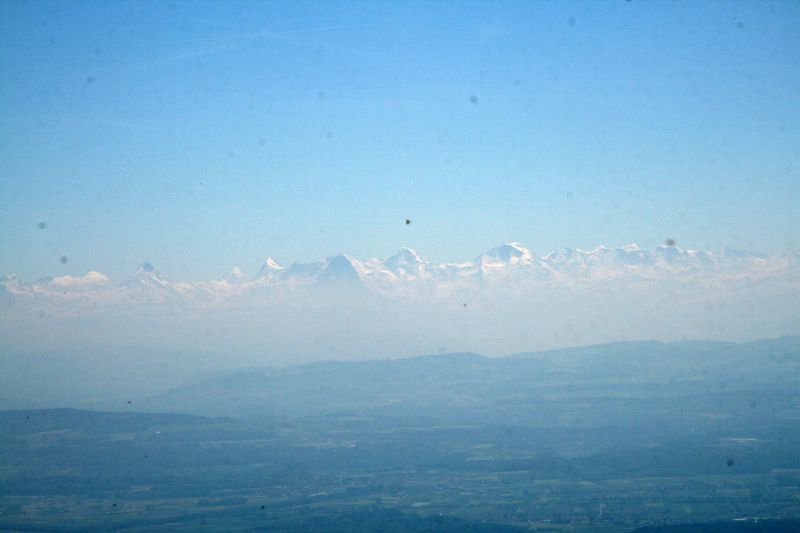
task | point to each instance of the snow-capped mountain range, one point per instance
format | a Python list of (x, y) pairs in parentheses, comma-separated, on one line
[(407, 275)]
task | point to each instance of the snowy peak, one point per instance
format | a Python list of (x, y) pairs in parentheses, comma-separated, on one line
[(341, 267), (269, 268), (145, 270), (92, 278), (406, 261), (405, 256), (676, 257), (337, 268), (633, 255), (148, 277), (509, 253), (271, 264), (560, 255)]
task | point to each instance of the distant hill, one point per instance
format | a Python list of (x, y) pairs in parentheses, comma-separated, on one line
[(701, 373)]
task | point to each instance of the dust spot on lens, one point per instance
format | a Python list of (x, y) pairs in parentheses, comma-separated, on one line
[(408, 221), (41, 225), (571, 21), (740, 25), (64, 259), (570, 195), (473, 99), (89, 79), (730, 462), (670, 242), (98, 50)]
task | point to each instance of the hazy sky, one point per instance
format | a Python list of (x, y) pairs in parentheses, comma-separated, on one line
[(199, 136)]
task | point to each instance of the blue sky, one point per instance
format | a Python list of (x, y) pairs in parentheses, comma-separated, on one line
[(199, 136)]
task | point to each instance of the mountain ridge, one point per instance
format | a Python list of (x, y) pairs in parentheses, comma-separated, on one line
[(407, 274)]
